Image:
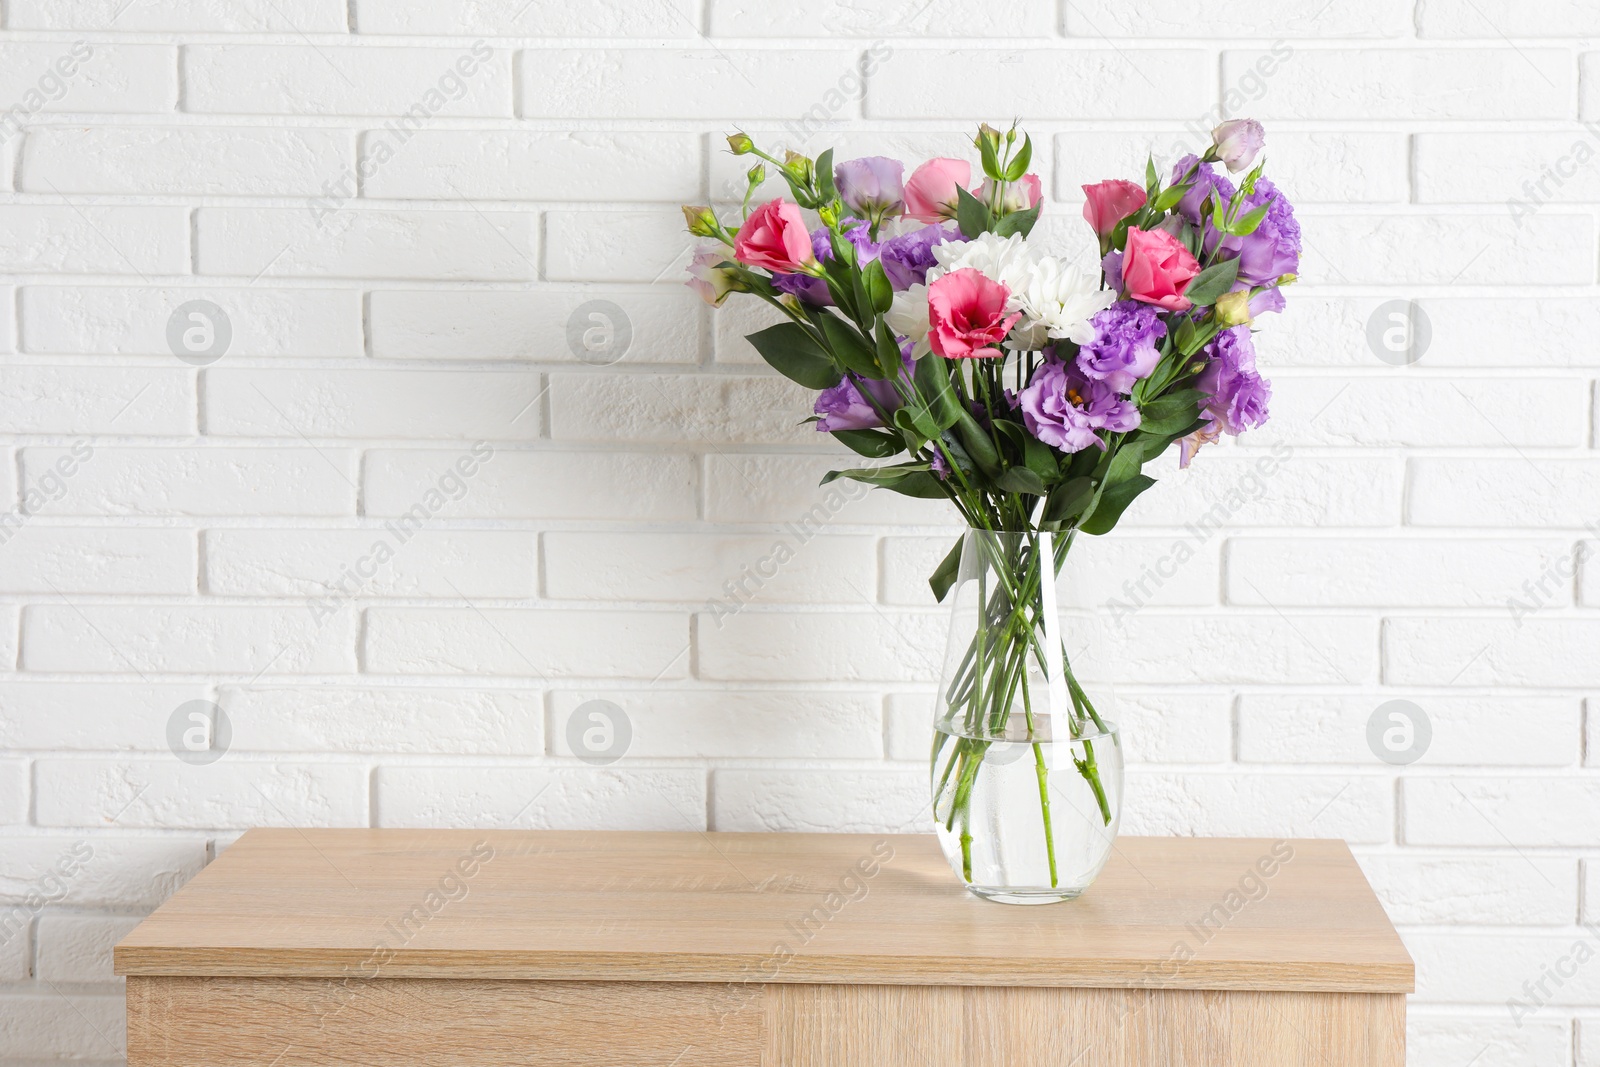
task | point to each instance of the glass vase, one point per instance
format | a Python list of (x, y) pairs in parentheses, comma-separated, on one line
[(1026, 774)]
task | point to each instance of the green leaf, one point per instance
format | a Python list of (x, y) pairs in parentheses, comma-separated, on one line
[(991, 162), (914, 421), (1247, 224), (977, 443), (1168, 199), (922, 485), (944, 575), (889, 357), (1021, 480), (880, 293), (1019, 163), (824, 176), (1067, 500), (932, 377), (849, 347), (793, 353), (1151, 179), (909, 479), (1113, 502), (874, 444), (1018, 222), (971, 215), (1212, 282)]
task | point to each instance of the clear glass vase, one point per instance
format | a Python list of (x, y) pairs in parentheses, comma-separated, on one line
[(1026, 774)]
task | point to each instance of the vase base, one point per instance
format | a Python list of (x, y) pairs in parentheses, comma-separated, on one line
[(1019, 895)]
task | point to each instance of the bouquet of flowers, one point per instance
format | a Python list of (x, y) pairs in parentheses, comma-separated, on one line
[(1028, 389)]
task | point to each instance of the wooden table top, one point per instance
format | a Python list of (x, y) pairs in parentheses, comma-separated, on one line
[(1197, 913)]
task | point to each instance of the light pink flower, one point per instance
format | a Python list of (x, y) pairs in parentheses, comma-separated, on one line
[(1109, 202), (967, 315), (931, 189), (712, 282), (1156, 269), (1020, 195), (775, 238)]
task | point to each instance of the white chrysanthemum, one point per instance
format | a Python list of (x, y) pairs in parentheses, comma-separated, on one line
[(1059, 299), (1007, 260), (908, 316)]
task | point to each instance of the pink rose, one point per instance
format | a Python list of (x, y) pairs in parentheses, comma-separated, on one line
[(930, 192), (1109, 203), (775, 237), (1157, 268), (1020, 195), (967, 315)]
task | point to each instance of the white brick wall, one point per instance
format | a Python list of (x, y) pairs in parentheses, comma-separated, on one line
[(406, 526)]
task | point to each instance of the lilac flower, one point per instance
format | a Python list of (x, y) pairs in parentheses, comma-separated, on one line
[(906, 258), (1238, 395), (872, 186), (1205, 180), (1111, 265), (849, 405), (1064, 409), (1238, 142), (1126, 345), (940, 465), (1273, 250)]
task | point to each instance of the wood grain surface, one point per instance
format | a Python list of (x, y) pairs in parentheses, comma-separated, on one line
[(757, 909)]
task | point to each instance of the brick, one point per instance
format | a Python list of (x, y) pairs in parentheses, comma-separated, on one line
[(53, 1026), (542, 798), (1416, 84), (132, 320), (1235, 18), (703, 409), (1318, 728), (1462, 18), (16, 947), (1540, 811), (536, 18), (1054, 83), (391, 561), (785, 489), (1589, 97), (880, 18), (1464, 890), (1525, 332), (1522, 171), (181, 639), (98, 77), (698, 567), (1099, 573), (1495, 651), (93, 239), (1417, 412), (854, 802), (1357, 808), (546, 325), (126, 401), (1591, 750), (187, 16), (186, 161), (77, 948), (542, 485), (616, 246), (1226, 648), (1323, 331), (1354, 249), (326, 240), (530, 165), (527, 642), (132, 872), (8, 326), (459, 405), (735, 725), (736, 320), (299, 79), (228, 794), (1537, 493), (497, 722), (66, 560), (200, 481), (1445, 1040), (1344, 167), (1222, 491), (13, 792), (1496, 968), (1315, 572), (90, 715), (711, 83), (817, 646), (1591, 892)]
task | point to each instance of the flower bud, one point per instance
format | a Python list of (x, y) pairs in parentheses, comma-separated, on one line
[(797, 165), (740, 144), (757, 175), (702, 222), (988, 133), (1237, 142), (1233, 309)]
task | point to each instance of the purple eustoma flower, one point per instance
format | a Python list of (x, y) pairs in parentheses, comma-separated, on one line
[(1238, 395), (1064, 409), (1205, 180), (906, 258), (1273, 250), (873, 186), (1126, 344), (847, 406)]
